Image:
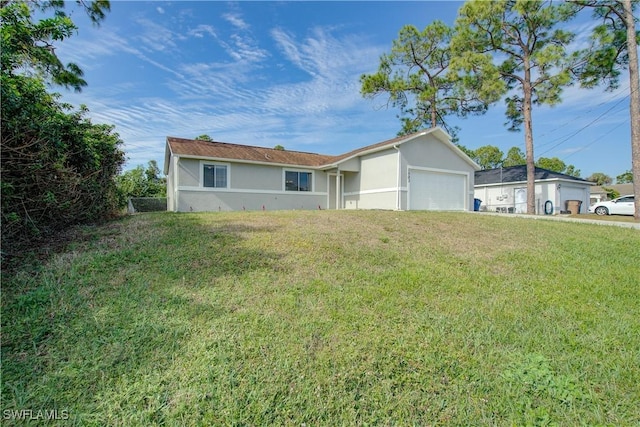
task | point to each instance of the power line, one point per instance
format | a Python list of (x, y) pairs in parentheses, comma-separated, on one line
[(585, 126), (599, 138), (565, 138), (606, 101)]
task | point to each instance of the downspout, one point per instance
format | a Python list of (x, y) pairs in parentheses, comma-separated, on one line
[(398, 180), (175, 183)]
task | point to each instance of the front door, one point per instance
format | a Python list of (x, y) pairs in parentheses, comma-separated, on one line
[(520, 196)]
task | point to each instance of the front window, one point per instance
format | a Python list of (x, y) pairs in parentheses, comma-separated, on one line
[(215, 176), (297, 181)]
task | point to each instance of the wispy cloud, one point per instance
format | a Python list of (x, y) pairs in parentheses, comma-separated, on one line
[(234, 99), (334, 66), (236, 20), (89, 53), (201, 30), (155, 37), (241, 44)]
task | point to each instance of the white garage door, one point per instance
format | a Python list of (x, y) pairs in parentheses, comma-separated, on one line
[(438, 191)]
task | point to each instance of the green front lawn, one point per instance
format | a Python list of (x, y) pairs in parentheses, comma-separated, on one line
[(328, 318)]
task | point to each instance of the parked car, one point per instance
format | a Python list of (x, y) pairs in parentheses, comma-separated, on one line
[(620, 206)]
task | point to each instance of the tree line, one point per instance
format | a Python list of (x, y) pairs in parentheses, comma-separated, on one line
[(142, 182), (490, 157), (58, 168), (517, 51)]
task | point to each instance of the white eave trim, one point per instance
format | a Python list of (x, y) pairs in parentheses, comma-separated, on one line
[(252, 162), (537, 181), (168, 154), (437, 132), (376, 149)]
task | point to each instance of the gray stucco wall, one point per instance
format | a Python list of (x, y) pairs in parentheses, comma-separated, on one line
[(197, 201), (379, 170), (246, 176), (375, 186), (251, 187), (379, 200), (351, 182), (429, 152), (255, 177), (188, 173)]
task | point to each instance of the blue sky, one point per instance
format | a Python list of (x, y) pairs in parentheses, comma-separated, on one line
[(268, 73)]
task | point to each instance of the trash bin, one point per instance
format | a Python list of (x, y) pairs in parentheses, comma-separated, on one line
[(476, 204), (573, 206)]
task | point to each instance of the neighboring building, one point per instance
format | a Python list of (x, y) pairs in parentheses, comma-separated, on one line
[(600, 193), (505, 190), (422, 171)]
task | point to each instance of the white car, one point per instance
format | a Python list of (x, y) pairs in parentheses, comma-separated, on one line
[(620, 206)]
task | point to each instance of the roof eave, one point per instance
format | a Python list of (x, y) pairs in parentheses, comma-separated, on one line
[(253, 162), (387, 146), (573, 181), (167, 157)]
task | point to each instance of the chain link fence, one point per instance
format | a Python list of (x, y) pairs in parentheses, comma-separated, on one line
[(147, 204)]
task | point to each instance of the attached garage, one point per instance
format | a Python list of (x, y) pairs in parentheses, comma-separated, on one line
[(437, 190), (421, 171)]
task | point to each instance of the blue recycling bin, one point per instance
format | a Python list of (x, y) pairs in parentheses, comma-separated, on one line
[(476, 204)]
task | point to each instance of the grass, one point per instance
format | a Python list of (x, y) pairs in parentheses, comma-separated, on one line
[(613, 218), (328, 318)]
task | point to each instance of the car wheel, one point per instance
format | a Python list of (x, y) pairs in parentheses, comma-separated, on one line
[(601, 210)]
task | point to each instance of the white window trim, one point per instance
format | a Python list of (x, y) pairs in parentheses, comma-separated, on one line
[(202, 165), (284, 180)]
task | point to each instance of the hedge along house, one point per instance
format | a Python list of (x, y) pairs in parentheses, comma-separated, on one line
[(505, 190), (422, 171)]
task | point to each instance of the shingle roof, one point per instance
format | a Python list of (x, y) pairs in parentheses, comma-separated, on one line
[(225, 150), (518, 174), (373, 147), (620, 188)]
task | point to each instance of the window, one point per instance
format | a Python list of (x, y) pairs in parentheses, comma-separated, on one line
[(297, 181), (215, 176)]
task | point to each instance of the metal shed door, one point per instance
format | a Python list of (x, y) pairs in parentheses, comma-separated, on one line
[(441, 191), (568, 192)]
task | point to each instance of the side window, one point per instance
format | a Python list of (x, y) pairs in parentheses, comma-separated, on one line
[(297, 181), (214, 176)]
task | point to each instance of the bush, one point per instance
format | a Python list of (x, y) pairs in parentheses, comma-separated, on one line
[(58, 169)]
